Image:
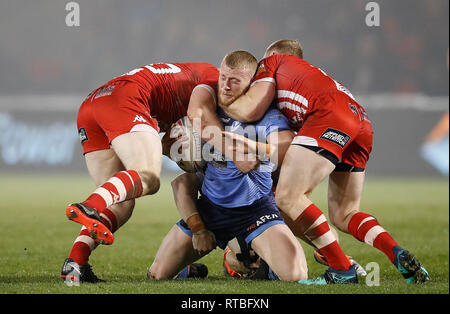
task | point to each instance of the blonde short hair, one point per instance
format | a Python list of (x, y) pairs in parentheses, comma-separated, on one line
[(240, 59), (287, 47)]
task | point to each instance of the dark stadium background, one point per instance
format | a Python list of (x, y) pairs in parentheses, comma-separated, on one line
[(397, 70)]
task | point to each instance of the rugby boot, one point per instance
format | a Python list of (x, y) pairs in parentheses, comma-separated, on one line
[(333, 276), (195, 270), (264, 272), (226, 268), (360, 271), (90, 218), (261, 273), (72, 273), (409, 266)]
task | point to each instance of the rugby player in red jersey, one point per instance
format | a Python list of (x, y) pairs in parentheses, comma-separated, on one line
[(119, 125), (334, 139)]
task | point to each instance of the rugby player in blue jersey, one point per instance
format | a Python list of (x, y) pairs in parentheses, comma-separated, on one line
[(233, 205)]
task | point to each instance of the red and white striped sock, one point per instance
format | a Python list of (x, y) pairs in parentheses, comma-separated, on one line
[(315, 227), (82, 247), (84, 244), (366, 228), (123, 186)]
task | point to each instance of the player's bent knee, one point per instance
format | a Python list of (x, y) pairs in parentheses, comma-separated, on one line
[(151, 182), (288, 204), (156, 273)]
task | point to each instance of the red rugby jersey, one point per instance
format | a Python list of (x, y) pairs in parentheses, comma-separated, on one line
[(168, 86), (298, 84)]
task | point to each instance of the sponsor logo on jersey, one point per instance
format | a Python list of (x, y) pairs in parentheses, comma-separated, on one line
[(335, 136), (83, 135), (353, 108)]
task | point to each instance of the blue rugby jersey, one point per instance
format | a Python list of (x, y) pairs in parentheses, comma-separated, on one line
[(224, 184)]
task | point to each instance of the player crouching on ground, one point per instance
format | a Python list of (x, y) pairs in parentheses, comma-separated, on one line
[(232, 204)]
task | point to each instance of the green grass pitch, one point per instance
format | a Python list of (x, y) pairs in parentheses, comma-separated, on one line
[(35, 238)]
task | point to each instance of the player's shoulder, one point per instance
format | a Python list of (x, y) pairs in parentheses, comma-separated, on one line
[(203, 74), (280, 58), (271, 65), (206, 72)]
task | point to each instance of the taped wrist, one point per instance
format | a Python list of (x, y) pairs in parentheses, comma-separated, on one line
[(195, 223)]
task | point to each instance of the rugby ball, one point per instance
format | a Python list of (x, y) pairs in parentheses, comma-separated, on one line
[(187, 150)]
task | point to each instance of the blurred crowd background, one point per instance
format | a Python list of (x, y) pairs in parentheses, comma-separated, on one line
[(41, 55)]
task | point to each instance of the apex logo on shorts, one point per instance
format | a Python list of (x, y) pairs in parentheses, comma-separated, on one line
[(335, 136), (261, 220), (139, 118)]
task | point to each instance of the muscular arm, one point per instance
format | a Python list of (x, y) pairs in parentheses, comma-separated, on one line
[(252, 105), (202, 113), (185, 192), (275, 148)]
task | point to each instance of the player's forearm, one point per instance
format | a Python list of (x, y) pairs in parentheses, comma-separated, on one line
[(244, 109), (242, 145), (185, 191), (210, 128), (202, 113), (251, 106), (208, 123)]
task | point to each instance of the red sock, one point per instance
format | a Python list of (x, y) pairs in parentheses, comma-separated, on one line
[(82, 247), (315, 227), (123, 186), (84, 244), (366, 228)]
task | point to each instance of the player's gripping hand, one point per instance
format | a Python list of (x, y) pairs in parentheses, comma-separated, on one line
[(204, 241), (167, 141), (170, 137), (242, 144)]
